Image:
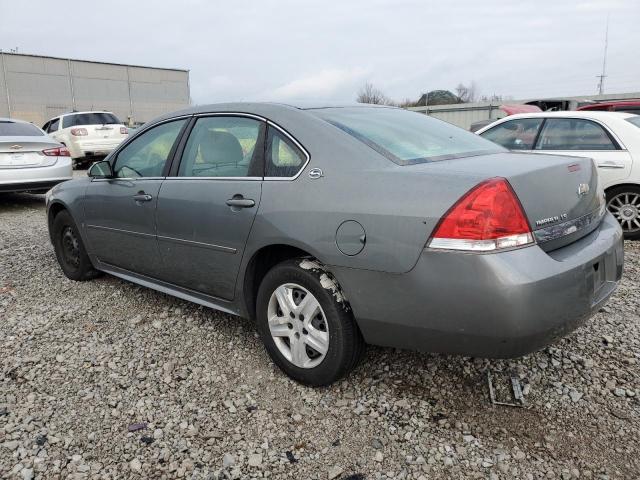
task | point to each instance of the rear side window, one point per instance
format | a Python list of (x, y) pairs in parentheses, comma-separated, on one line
[(53, 127), (95, 118), (573, 134), (517, 134), (406, 137), (147, 154), (284, 158), (222, 146), (19, 129), (634, 120)]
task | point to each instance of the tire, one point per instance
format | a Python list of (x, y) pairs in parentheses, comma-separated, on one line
[(624, 203), (70, 251), (328, 343)]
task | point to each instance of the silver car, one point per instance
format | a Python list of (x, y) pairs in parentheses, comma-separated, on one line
[(30, 161), (334, 227)]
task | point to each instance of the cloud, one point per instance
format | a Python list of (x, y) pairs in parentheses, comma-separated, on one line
[(325, 84)]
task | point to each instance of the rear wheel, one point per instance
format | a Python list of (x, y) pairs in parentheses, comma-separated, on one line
[(624, 204), (70, 251), (305, 323)]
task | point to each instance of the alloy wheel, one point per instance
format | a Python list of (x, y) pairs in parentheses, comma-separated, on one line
[(626, 208), (298, 325)]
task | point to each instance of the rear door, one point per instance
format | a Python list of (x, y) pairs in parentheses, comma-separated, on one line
[(586, 138), (207, 207), (120, 212)]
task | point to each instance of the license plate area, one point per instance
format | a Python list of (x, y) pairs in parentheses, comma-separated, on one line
[(599, 275), (16, 160)]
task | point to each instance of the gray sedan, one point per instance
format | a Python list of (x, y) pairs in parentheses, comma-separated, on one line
[(334, 227)]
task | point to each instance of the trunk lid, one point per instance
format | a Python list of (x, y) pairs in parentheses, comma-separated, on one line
[(23, 152), (560, 195)]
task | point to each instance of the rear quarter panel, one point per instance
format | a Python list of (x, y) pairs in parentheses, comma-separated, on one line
[(398, 209)]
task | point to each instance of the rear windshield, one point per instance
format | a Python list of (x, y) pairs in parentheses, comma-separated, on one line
[(405, 137), (19, 129), (635, 120), (98, 118)]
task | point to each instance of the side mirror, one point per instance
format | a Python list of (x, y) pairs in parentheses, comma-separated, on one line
[(101, 169)]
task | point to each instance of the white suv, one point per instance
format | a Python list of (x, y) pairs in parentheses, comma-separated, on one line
[(87, 134)]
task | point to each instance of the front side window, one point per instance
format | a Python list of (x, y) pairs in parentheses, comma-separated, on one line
[(93, 118), (406, 137), (148, 153), (573, 134), (284, 158), (18, 129), (517, 134), (221, 146)]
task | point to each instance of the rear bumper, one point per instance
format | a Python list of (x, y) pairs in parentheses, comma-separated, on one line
[(92, 148), (35, 178), (493, 305)]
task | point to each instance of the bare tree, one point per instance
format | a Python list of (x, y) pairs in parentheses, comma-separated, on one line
[(370, 94), (467, 93)]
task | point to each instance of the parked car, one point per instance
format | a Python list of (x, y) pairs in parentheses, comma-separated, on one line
[(30, 161), (629, 106), (336, 227), (611, 139), (87, 135), (509, 110)]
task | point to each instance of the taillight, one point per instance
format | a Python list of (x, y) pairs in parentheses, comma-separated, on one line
[(79, 132), (57, 152), (488, 217), (124, 130)]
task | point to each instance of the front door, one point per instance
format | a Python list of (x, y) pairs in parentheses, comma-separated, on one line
[(206, 210), (120, 212)]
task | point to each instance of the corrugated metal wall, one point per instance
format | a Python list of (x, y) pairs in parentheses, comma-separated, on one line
[(464, 114), (36, 88)]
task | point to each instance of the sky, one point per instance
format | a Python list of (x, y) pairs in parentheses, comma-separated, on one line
[(308, 50)]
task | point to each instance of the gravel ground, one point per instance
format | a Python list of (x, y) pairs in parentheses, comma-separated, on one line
[(105, 379)]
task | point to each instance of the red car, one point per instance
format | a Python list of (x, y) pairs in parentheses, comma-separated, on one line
[(630, 106)]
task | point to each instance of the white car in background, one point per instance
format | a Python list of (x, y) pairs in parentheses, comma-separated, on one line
[(611, 139), (30, 160), (87, 135)]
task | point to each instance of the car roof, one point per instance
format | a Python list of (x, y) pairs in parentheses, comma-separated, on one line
[(574, 114), (87, 111), (15, 120)]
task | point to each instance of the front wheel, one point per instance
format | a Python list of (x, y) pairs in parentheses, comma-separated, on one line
[(624, 204), (306, 324)]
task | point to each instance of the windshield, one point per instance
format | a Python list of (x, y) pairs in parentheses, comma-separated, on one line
[(97, 118), (635, 120), (405, 137), (19, 129)]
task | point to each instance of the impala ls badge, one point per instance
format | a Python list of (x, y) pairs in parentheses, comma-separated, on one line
[(548, 220), (583, 189)]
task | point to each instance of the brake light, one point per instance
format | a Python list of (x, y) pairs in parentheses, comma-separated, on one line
[(57, 152), (79, 132), (488, 217), (124, 130)]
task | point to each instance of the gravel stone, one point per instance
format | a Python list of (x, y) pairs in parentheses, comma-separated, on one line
[(82, 361)]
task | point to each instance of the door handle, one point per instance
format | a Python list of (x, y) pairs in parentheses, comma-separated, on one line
[(240, 202), (142, 197), (610, 165)]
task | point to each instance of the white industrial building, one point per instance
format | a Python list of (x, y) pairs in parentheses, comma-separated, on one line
[(36, 88)]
